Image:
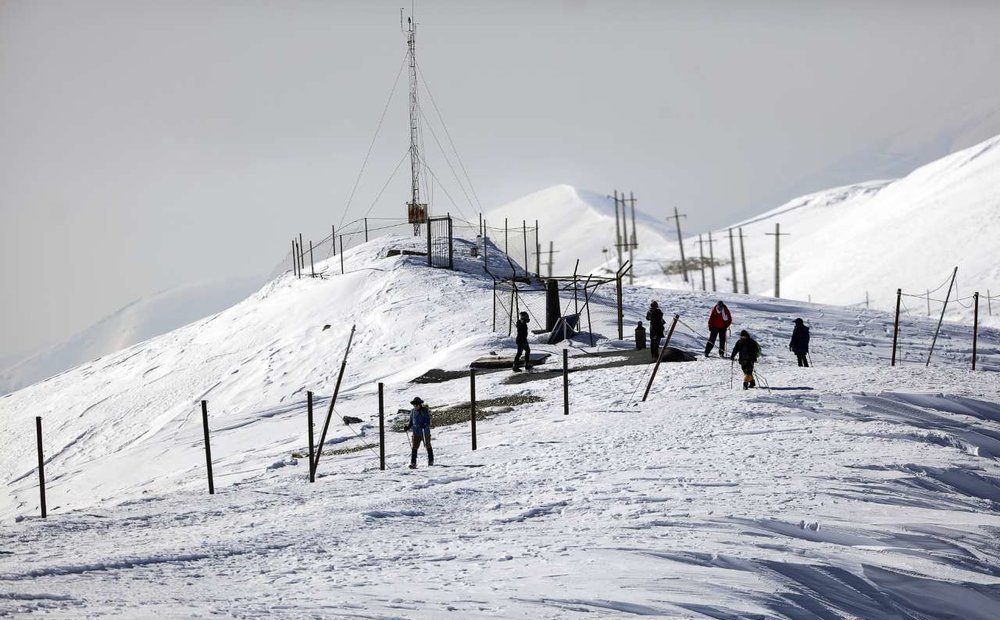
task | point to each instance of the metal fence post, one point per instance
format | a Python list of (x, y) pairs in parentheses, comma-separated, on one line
[(312, 449), (208, 447), (565, 381), (41, 464), (472, 403), (381, 427)]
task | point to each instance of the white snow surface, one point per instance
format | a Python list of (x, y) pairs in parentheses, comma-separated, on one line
[(138, 321), (848, 490), (842, 243)]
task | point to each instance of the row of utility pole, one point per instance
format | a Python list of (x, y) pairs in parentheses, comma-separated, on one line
[(777, 234), (622, 239)]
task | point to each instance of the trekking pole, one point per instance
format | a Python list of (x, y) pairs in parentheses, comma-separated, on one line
[(732, 368)]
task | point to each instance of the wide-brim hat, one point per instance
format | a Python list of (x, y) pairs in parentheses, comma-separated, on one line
[(416, 401), (799, 321)]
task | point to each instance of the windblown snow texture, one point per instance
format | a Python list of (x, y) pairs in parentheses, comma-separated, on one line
[(850, 489)]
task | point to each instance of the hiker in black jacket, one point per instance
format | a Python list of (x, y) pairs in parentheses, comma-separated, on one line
[(656, 323), (800, 343), (522, 343), (748, 351)]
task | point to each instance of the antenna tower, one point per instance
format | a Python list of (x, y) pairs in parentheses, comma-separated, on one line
[(416, 211)]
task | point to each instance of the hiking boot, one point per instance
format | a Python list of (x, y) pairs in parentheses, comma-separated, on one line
[(413, 465), (745, 385), (753, 384)]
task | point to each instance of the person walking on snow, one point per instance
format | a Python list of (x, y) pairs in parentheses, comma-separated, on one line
[(800, 343), (656, 324), (522, 343), (748, 351), (420, 424), (718, 322)]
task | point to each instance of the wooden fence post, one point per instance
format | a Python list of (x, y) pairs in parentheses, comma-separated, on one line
[(975, 327), (895, 325), (312, 265), (381, 426), (565, 381), (342, 254), (947, 297), (659, 357), (41, 464), (472, 402), (208, 447), (312, 449), (366, 230)]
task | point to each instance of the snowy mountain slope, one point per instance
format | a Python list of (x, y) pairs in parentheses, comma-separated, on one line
[(880, 236), (137, 321), (849, 489), (871, 237)]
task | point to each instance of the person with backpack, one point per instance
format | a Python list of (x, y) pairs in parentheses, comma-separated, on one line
[(800, 343), (656, 324), (420, 424), (522, 343), (718, 322), (747, 349)]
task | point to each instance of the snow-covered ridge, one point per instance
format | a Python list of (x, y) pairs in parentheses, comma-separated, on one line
[(842, 243), (848, 489)]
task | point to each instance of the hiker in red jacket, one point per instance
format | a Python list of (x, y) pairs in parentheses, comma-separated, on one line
[(718, 323)]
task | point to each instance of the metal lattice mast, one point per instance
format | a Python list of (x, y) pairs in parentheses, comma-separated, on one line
[(414, 112)]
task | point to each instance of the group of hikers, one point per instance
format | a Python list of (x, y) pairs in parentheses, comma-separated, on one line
[(746, 349)]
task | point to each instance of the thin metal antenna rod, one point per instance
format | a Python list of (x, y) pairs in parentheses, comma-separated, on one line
[(411, 53)]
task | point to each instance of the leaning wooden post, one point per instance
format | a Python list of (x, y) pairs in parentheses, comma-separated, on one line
[(472, 403), (659, 357), (565, 381), (41, 464), (941, 319), (586, 305), (366, 230), (333, 401), (295, 264), (208, 447), (975, 327), (309, 421), (333, 238), (989, 306), (341, 254), (381, 426), (895, 325), (312, 264)]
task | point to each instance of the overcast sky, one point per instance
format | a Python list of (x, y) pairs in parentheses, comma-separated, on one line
[(148, 145)]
